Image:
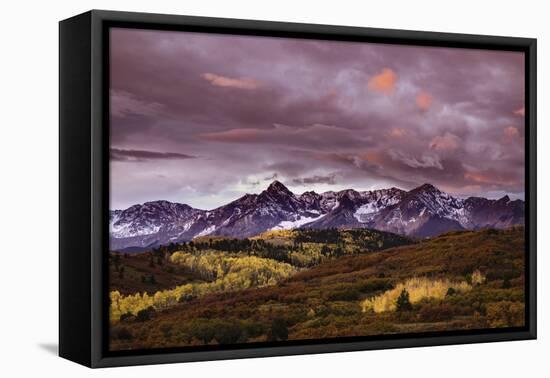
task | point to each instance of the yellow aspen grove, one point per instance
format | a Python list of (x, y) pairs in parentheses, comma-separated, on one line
[(418, 289), (226, 273)]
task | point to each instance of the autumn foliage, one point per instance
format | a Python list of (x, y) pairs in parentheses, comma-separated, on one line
[(416, 289), (347, 283)]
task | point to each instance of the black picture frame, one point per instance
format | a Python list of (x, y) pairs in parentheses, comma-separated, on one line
[(84, 185)]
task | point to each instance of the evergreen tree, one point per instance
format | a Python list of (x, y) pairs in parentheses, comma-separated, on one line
[(278, 331), (145, 314), (450, 292), (403, 303)]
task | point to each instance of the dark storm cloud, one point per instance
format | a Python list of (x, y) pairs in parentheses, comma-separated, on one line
[(330, 179), (285, 168), (314, 136), (141, 155), (307, 112), (273, 177)]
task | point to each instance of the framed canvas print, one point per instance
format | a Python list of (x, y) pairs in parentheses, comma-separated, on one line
[(233, 188)]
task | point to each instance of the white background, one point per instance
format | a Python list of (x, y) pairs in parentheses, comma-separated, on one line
[(29, 189)]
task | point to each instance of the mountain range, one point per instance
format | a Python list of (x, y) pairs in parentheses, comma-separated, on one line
[(421, 212)]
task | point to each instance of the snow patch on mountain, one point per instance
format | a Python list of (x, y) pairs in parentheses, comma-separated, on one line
[(290, 225), (128, 230), (206, 231), (361, 214)]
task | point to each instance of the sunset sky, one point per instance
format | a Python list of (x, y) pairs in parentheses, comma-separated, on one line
[(203, 118)]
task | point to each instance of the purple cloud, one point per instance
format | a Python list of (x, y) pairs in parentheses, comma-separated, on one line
[(306, 112), (141, 155)]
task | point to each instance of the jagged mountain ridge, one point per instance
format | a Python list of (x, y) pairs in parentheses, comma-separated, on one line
[(423, 211)]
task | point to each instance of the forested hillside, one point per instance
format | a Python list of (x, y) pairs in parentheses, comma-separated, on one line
[(459, 280), (169, 275)]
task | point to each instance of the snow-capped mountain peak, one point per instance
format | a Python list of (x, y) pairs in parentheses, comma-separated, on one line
[(276, 187), (422, 211)]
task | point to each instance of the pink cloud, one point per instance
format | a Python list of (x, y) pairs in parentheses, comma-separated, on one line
[(424, 100), (510, 134), (520, 112), (397, 132), (489, 177), (233, 135), (446, 142), (384, 82), (224, 81), (478, 177), (313, 136), (374, 157)]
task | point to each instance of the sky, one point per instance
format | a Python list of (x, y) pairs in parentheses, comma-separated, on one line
[(203, 119)]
